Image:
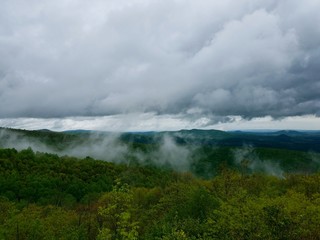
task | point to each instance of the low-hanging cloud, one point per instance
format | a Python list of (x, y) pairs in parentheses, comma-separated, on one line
[(107, 146), (97, 145), (172, 154), (247, 159), (88, 58)]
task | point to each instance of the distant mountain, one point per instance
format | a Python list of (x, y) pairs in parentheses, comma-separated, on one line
[(282, 139), (44, 130), (78, 131), (217, 134), (206, 150)]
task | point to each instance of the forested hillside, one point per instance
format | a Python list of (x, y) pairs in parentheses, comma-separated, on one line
[(164, 188), (44, 196), (200, 152)]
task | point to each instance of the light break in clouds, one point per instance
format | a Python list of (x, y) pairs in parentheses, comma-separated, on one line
[(190, 63)]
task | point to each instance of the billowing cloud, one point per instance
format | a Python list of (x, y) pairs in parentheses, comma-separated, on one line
[(193, 59)]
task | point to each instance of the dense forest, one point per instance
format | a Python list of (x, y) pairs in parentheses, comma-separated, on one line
[(223, 194)]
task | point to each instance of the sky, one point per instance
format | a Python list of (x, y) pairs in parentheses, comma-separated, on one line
[(143, 65)]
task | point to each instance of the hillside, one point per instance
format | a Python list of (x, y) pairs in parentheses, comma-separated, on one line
[(46, 196), (198, 151), (158, 185)]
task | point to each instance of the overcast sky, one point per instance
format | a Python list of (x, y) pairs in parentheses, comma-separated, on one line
[(160, 64)]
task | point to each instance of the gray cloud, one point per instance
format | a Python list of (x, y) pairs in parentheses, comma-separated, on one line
[(193, 58)]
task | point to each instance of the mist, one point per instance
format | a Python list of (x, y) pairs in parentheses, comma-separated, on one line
[(108, 147), (247, 159), (100, 146), (315, 157), (10, 139), (169, 152)]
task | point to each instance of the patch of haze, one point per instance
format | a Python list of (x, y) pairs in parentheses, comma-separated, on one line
[(199, 138), (141, 157), (172, 154), (108, 147), (315, 157), (100, 146), (247, 158), (10, 139), (190, 137)]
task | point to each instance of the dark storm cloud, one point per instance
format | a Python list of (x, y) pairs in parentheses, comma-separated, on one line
[(211, 58)]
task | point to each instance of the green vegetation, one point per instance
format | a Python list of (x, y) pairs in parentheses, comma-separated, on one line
[(46, 196), (171, 185), (201, 152)]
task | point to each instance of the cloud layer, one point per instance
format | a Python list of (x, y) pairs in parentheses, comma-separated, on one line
[(188, 58)]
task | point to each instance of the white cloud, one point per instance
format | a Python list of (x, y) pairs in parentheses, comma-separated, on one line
[(63, 59), (152, 122)]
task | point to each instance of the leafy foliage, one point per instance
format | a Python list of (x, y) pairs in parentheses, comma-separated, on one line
[(44, 196)]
